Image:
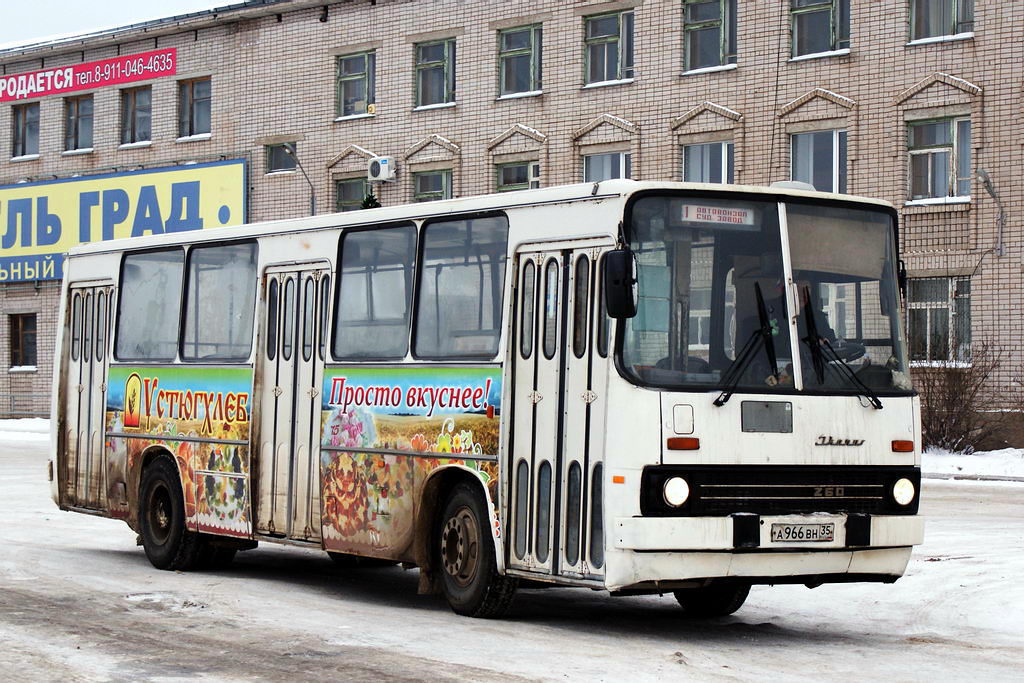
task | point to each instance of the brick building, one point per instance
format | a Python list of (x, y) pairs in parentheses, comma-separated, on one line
[(901, 100)]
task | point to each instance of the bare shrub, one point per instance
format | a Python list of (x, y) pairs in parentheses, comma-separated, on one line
[(959, 413)]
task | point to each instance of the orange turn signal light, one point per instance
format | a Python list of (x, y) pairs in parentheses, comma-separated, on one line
[(902, 446), (618, 479), (683, 443)]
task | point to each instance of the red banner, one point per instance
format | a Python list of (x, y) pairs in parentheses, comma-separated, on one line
[(142, 66)]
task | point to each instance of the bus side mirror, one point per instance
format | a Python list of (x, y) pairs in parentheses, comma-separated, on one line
[(619, 277)]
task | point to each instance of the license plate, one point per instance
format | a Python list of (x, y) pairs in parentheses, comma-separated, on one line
[(803, 533)]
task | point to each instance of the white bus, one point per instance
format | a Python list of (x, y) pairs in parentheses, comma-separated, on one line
[(631, 386)]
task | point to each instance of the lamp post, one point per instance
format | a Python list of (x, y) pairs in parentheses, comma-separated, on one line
[(986, 182), (289, 148)]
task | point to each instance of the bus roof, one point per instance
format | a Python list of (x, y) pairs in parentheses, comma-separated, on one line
[(491, 202)]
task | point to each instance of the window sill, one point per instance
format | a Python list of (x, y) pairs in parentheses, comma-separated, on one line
[(519, 95), (354, 117), (137, 145), (939, 201), (952, 364), (710, 69), (821, 55), (428, 107), (605, 84), (194, 138), (22, 368), (284, 171), (24, 157), (77, 152), (941, 39)]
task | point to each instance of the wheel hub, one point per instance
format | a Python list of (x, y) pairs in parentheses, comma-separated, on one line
[(160, 514), (460, 546)]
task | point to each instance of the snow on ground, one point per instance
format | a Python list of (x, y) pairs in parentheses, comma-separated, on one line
[(1005, 463), (79, 601), (27, 429)]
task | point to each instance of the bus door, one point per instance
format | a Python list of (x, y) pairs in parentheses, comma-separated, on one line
[(556, 454), (295, 323), (85, 391)]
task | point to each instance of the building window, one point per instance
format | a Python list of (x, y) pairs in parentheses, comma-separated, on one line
[(350, 193), (23, 340), (26, 130), (356, 90), (281, 157), (711, 162), (522, 175), (939, 319), (940, 159), (519, 60), (194, 107), (710, 33), (429, 186), (78, 123), (609, 47), (935, 18), (598, 167), (136, 105), (819, 158), (820, 26), (435, 73)]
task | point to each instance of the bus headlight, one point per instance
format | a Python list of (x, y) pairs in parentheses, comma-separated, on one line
[(903, 491), (675, 491)]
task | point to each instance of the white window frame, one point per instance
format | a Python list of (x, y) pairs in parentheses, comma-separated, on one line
[(728, 155), (532, 176), (840, 175), (625, 164)]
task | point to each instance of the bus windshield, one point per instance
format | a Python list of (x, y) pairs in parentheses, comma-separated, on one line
[(713, 308)]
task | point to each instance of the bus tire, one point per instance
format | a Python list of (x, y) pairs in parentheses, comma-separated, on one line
[(719, 599), (464, 558), (168, 544)]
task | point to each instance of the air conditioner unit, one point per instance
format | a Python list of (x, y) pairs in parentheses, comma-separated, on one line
[(381, 169)]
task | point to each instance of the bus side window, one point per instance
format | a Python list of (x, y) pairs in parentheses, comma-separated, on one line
[(581, 307), (272, 319), (288, 319), (87, 321), (101, 325), (374, 298), (461, 288), (220, 302), (149, 306), (603, 321), (529, 296), (325, 301), (550, 308), (308, 297), (76, 326)]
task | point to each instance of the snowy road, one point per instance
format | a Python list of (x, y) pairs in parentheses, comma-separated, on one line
[(79, 601)]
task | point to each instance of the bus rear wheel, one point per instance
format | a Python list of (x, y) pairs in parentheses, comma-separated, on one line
[(168, 544), (718, 599), (465, 558)]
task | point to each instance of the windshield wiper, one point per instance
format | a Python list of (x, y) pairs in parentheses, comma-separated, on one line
[(816, 343), (732, 375)]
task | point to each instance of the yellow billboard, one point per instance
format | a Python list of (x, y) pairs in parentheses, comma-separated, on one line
[(40, 221)]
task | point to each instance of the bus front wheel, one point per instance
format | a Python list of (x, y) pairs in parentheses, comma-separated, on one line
[(718, 599), (465, 558), (168, 544)]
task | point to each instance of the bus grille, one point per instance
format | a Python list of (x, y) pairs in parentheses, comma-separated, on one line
[(779, 489)]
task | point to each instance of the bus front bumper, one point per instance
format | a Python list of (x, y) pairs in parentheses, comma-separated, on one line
[(662, 551)]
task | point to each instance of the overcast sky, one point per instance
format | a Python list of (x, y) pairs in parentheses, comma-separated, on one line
[(28, 21)]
